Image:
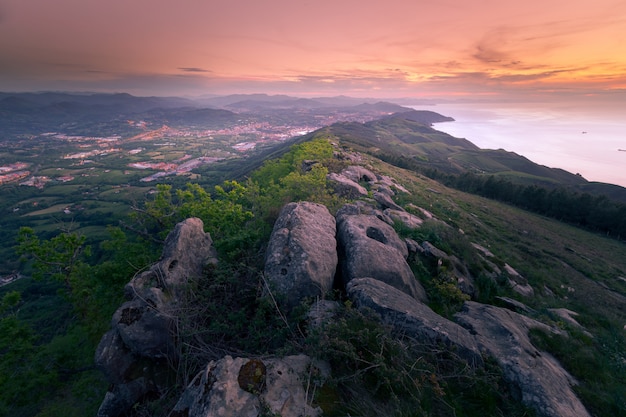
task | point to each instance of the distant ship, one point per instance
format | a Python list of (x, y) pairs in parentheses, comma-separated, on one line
[(622, 150)]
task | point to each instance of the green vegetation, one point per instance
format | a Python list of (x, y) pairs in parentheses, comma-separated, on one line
[(379, 373), (597, 363), (46, 360)]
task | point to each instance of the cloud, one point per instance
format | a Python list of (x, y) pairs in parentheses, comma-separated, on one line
[(193, 69)]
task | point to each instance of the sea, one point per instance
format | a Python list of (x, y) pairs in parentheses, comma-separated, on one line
[(582, 138)]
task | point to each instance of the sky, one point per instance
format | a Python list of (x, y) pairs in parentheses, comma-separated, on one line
[(491, 49)]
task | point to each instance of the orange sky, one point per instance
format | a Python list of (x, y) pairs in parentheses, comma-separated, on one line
[(391, 48)]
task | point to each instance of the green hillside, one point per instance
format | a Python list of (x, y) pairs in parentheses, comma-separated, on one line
[(566, 267)]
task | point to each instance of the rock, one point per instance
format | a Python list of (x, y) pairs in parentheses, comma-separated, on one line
[(518, 283), (384, 189), (433, 251), (567, 316), (413, 247), (412, 318), (409, 220), (486, 252), (454, 268), (514, 305), (217, 391), (385, 201), (362, 207), (425, 213), (114, 358), (390, 182), (147, 329), (537, 377), (301, 256), (120, 398), (346, 187), (371, 248), (136, 355), (186, 252), (358, 173)]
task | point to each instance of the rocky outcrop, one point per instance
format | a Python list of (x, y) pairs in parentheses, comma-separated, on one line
[(361, 207), (371, 248), (243, 387), (358, 173), (538, 378), (385, 201), (301, 256), (409, 220), (413, 318), (138, 351), (454, 268), (518, 283), (346, 187)]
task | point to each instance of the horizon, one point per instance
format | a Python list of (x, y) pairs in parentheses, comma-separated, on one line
[(554, 53), (502, 50)]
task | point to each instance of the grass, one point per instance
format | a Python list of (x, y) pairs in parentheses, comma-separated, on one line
[(566, 266)]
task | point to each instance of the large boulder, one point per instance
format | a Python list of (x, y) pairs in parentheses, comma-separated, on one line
[(371, 248), (137, 353), (301, 256), (413, 318), (538, 378), (241, 387), (358, 173), (187, 250)]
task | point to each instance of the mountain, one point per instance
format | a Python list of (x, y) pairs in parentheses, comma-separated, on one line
[(378, 292), (282, 101), (345, 273)]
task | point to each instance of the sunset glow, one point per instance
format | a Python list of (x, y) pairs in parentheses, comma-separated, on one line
[(393, 48)]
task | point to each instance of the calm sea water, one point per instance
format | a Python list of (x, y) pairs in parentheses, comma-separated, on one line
[(580, 138)]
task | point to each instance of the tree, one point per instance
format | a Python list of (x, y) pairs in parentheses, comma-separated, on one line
[(58, 258)]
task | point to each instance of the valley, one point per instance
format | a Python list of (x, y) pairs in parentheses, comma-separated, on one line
[(83, 162)]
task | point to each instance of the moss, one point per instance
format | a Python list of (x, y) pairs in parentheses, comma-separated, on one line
[(252, 376)]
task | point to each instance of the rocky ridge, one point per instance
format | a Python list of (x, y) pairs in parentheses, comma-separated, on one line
[(310, 253)]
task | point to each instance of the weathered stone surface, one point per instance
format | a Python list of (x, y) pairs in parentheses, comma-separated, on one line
[(537, 377), (120, 398), (114, 358), (385, 201), (145, 329), (217, 392), (371, 248), (413, 318), (135, 353), (362, 207), (186, 252), (391, 182), (346, 187), (371, 229), (424, 213), (518, 283), (301, 256), (454, 268), (358, 173), (514, 305), (409, 220)]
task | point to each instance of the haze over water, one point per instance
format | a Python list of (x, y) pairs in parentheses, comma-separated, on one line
[(578, 138)]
